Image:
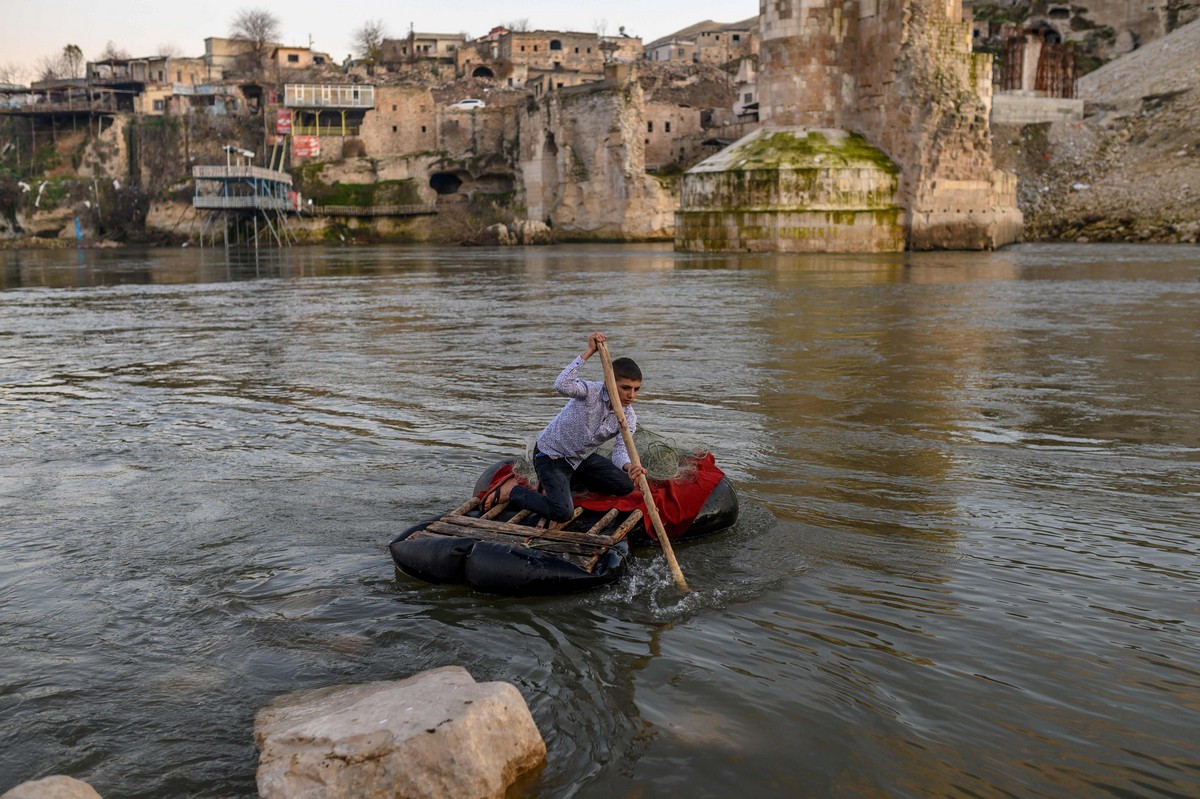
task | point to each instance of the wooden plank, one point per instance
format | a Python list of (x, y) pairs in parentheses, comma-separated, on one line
[(557, 535), (494, 511), (527, 535), (558, 548), (617, 535), (626, 526), (604, 522), (466, 506)]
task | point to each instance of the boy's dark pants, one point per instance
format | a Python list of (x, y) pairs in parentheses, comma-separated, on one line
[(596, 473)]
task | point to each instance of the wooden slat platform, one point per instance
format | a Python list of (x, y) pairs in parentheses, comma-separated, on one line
[(583, 547)]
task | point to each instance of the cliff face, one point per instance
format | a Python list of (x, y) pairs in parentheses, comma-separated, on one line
[(583, 164), (129, 181)]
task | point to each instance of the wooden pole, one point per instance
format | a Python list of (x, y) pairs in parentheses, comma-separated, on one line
[(610, 382)]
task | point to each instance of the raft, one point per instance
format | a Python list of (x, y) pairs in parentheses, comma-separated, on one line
[(502, 551)]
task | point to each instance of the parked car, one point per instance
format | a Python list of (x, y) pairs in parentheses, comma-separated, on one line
[(470, 104)]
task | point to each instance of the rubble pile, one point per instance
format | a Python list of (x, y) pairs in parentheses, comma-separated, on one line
[(1130, 170)]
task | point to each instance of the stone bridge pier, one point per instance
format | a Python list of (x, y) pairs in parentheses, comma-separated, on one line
[(897, 80)]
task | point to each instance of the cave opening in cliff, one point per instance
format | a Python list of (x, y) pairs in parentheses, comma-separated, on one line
[(445, 182), (483, 72)]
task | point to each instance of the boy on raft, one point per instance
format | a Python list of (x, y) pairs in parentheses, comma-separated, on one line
[(565, 453)]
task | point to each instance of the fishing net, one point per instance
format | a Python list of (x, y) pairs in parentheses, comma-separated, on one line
[(664, 458)]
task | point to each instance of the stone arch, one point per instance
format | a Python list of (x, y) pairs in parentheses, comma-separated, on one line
[(483, 72), (555, 44)]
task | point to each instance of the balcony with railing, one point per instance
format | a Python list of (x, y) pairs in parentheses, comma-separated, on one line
[(329, 95), (238, 187)]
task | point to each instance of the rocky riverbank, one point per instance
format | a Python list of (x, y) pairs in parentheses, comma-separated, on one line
[(1130, 170)]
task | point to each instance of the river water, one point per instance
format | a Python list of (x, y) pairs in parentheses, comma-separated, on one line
[(966, 566)]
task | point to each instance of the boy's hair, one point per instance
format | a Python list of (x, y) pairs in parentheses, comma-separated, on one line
[(626, 368)]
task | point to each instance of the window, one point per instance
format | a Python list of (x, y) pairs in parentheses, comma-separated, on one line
[(555, 44), (748, 97), (395, 129), (422, 128), (650, 126), (666, 127), (535, 47), (159, 105), (393, 108), (737, 37), (179, 76), (318, 59), (293, 58), (576, 51), (522, 48)]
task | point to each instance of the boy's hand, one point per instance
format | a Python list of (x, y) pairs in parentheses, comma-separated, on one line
[(634, 471), (593, 345)]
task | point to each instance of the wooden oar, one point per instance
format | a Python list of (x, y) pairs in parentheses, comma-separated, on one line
[(610, 382)]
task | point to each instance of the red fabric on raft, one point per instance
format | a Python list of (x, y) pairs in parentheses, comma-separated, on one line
[(678, 501)]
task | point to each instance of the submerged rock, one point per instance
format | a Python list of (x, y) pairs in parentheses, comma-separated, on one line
[(436, 734), (56, 787)]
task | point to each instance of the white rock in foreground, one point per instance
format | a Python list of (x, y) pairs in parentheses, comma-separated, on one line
[(56, 787), (437, 734)]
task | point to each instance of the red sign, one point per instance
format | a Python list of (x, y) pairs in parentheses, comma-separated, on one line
[(283, 121), (305, 146)]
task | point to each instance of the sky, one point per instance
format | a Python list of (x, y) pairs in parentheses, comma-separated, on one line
[(33, 29)]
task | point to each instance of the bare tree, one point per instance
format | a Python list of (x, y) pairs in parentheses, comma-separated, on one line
[(49, 67), (369, 41), (257, 27), (601, 27), (519, 25), (14, 73), (67, 63), (72, 61), (168, 50), (113, 53)]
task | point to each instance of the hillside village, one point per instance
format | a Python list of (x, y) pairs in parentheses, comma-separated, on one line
[(436, 137)]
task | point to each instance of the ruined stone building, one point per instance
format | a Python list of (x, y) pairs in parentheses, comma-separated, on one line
[(397, 55), (708, 42)]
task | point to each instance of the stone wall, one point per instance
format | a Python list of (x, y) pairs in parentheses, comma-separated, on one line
[(671, 133), (403, 121), (902, 73), (545, 49)]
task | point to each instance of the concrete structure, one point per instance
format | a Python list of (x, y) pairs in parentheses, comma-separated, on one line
[(328, 109), (902, 74), (745, 84), (672, 50), (1010, 108)]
